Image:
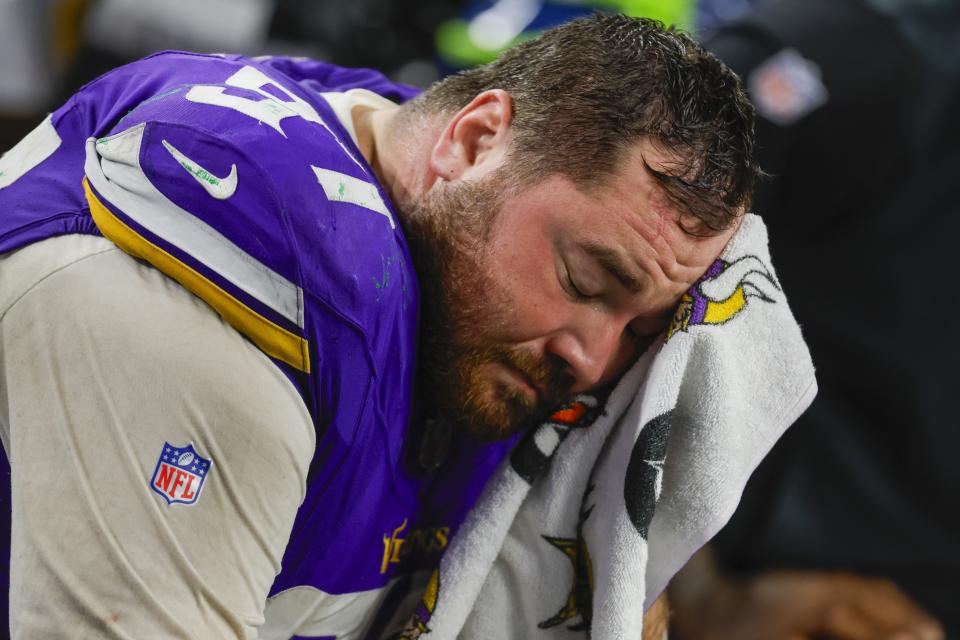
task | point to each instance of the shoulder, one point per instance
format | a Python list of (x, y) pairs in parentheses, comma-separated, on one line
[(250, 180)]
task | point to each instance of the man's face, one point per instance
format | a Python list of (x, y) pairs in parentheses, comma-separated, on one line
[(534, 295)]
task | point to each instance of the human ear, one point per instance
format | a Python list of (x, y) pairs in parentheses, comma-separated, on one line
[(475, 140)]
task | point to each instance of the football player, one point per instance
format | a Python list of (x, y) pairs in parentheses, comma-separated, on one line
[(217, 270)]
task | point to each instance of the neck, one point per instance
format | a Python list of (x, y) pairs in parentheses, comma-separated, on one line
[(397, 147)]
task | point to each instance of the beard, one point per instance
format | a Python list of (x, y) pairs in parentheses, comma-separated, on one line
[(462, 312)]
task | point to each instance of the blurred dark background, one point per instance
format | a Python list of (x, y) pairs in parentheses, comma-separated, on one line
[(50, 48)]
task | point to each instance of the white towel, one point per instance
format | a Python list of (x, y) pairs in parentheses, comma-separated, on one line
[(565, 541)]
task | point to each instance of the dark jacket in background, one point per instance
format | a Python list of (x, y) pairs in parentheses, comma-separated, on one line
[(859, 129)]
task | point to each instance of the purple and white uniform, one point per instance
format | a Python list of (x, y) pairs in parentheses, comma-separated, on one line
[(241, 180)]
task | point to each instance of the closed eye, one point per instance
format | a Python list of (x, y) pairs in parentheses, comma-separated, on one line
[(570, 286)]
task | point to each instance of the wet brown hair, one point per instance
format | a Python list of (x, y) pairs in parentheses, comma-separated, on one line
[(587, 91)]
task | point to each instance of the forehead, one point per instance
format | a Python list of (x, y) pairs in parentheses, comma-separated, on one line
[(629, 215)]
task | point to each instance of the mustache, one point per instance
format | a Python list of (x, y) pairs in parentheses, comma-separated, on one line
[(548, 375)]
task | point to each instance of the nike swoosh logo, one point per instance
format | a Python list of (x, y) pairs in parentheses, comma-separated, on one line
[(219, 188)]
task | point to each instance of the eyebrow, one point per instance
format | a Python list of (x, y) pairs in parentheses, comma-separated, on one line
[(615, 266)]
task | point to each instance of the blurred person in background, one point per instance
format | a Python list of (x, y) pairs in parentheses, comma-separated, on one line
[(851, 528)]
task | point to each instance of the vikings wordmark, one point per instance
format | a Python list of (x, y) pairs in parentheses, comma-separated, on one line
[(418, 543)]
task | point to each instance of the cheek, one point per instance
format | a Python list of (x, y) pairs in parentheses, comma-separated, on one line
[(517, 306), (522, 286)]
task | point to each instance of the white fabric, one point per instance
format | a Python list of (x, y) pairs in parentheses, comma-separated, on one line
[(343, 102), (37, 146), (112, 166), (340, 187), (713, 399), (102, 360), (309, 612)]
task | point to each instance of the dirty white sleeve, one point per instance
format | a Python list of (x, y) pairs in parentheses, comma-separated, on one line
[(158, 458)]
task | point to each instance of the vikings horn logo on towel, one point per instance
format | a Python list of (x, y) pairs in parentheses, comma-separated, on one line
[(722, 292), (180, 474)]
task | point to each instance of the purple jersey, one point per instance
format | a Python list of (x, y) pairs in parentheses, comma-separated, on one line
[(236, 177)]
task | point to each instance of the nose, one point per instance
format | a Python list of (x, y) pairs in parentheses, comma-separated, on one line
[(589, 350)]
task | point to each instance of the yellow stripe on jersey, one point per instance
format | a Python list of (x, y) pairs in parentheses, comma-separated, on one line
[(272, 339)]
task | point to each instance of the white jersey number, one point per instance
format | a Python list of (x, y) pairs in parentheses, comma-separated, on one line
[(271, 111)]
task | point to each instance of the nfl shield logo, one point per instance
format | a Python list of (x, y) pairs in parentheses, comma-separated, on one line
[(180, 474), (786, 87)]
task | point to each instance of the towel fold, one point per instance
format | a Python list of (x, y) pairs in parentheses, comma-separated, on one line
[(595, 510)]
